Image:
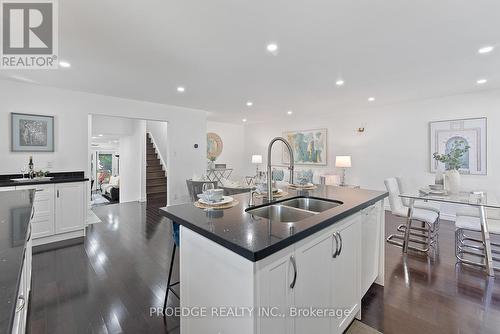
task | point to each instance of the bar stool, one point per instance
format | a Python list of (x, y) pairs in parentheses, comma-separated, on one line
[(175, 234), (425, 235), (468, 239)]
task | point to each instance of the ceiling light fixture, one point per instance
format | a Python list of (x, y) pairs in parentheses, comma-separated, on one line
[(244, 120), (289, 112), (64, 64), (371, 99), (339, 82), (181, 89), (481, 81), (272, 48), (249, 103), (100, 135), (486, 49)]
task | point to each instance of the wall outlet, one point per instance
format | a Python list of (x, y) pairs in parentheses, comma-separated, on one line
[(50, 164)]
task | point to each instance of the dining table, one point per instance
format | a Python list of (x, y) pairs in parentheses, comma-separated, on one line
[(478, 200)]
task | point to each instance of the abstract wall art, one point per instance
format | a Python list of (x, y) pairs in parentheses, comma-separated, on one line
[(309, 146), (32, 133)]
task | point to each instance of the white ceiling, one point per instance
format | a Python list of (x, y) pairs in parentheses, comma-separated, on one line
[(395, 50)]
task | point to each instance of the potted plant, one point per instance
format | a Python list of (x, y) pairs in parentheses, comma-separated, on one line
[(453, 161), (211, 163)]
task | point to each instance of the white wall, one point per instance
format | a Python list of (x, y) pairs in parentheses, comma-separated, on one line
[(71, 109), (396, 139), (233, 153), (109, 125), (158, 131), (133, 164)]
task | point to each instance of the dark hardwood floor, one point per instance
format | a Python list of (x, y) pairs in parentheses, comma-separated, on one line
[(109, 283), (432, 294)]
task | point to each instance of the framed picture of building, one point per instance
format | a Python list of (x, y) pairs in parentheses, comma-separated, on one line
[(471, 132), (32, 133), (309, 146)]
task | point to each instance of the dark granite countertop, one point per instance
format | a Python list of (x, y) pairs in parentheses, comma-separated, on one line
[(254, 238), (62, 177), (15, 211)]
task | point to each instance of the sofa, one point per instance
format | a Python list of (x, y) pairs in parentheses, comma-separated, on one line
[(111, 190)]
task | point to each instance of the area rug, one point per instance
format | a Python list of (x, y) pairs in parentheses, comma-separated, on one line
[(357, 327), (92, 218)]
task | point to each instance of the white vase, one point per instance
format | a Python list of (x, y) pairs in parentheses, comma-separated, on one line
[(452, 181)]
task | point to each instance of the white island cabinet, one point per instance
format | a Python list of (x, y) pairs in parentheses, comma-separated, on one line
[(311, 286)]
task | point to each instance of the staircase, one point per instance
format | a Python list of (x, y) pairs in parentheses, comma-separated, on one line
[(156, 181)]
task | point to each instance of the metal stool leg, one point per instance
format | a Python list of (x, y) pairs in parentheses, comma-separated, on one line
[(169, 286)]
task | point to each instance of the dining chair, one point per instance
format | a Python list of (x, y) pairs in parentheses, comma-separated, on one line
[(425, 235), (469, 244), (196, 187), (406, 187)]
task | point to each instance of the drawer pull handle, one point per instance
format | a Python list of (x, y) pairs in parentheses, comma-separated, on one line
[(21, 304), (341, 244), (292, 260), (336, 252)]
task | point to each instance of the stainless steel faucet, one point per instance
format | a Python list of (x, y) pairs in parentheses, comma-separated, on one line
[(269, 165)]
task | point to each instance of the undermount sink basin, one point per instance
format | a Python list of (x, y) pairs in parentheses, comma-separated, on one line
[(311, 204), (278, 213)]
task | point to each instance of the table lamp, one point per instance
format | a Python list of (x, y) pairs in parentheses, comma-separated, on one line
[(257, 160), (343, 161)]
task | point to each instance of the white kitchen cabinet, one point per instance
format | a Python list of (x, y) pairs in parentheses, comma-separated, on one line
[(320, 279), (69, 207), (345, 273), (371, 245), (276, 295), (43, 223), (314, 283)]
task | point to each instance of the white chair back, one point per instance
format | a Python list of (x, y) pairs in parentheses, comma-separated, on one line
[(395, 201)]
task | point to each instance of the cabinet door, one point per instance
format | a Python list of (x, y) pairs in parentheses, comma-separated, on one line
[(275, 295), (346, 280), (314, 284), (70, 207), (370, 246)]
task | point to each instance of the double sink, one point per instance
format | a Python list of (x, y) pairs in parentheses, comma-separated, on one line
[(294, 209)]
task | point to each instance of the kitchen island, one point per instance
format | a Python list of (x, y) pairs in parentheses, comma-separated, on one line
[(256, 270)]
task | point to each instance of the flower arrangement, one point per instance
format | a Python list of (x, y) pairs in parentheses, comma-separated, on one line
[(453, 159)]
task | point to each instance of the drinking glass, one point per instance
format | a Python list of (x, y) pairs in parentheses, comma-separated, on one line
[(23, 170)]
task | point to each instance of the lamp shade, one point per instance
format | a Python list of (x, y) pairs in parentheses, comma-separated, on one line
[(256, 159), (343, 161)]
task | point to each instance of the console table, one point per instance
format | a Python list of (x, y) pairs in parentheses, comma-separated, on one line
[(217, 174)]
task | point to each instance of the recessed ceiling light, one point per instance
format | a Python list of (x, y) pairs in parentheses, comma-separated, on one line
[(244, 120), (64, 64), (371, 99), (289, 112), (339, 82), (486, 49), (100, 135), (181, 89), (249, 103), (94, 137), (272, 48), (481, 81)]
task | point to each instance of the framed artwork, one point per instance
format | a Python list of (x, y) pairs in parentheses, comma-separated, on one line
[(32, 133), (472, 131), (214, 145), (309, 147)]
